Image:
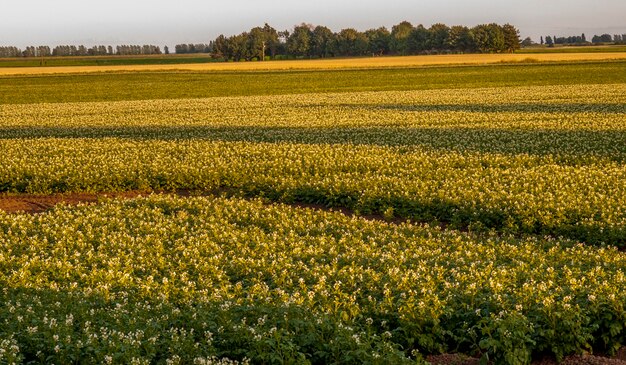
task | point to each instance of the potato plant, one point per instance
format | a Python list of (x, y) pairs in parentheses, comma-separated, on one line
[(188, 279)]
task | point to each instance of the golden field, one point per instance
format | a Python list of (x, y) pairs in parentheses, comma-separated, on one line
[(345, 63)]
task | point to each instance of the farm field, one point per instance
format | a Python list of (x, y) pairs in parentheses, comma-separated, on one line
[(372, 216), (188, 64), (573, 49), (77, 61), (117, 60)]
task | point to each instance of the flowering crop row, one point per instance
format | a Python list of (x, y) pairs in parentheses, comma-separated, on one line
[(583, 199), (546, 160), (196, 279), (571, 108)]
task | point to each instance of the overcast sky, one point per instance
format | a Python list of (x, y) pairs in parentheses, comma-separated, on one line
[(160, 22)]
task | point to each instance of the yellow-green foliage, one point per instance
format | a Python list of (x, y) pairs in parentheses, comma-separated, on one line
[(166, 277), (559, 108), (535, 174), (491, 159), (328, 64)]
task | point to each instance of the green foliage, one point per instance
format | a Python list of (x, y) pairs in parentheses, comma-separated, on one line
[(191, 279), (177, 85), (487, 160), (510, 153)]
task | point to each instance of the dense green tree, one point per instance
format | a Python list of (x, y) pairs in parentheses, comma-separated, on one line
[(379, 41), (351, 42), (489, 38), (220, 47), (399, 37), (298, 43), (511, 38), (257, 43), (419, 40), (238, 48), (439, 34), (460, 39), (323, 42), (271, 40)]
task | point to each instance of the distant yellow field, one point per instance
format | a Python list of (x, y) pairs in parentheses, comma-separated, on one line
[(404, 61)]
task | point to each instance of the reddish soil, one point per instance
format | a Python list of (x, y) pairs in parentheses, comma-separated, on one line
[(34, 203), (41, 203)]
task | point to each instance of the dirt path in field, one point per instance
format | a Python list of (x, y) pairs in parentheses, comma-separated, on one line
[(40, 203), (36, 203)]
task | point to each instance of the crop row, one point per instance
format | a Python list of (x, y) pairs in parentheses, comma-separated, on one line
[(573, 121), (509, 193), (190, 279), (577, 107)]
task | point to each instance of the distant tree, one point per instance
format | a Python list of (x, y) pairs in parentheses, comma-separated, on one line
[(238, 48), (549, 41), (272, 40), (181, 49), (511, 38), (257, 43), (399, 37), (10, 51), (379, 41), (262, 41), (220, 47), (527, 42), (542, 41), (298, 43), (439, 34), (583, 38), (323, 42), (166, 50), (489, 38), (351, 42), (43, 51), (418, 41), (460, 39), (604, 38)]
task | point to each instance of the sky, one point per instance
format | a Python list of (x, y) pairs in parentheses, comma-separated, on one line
[(160, 22)]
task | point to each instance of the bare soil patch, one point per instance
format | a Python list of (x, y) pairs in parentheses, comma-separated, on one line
[(26, 203)]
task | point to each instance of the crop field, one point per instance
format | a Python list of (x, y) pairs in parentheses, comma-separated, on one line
[(77, 61), (573, 49), (359, 216), (189, 64)]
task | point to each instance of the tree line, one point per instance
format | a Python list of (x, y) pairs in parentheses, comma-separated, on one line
[(308, 41), (67, 50), (193, 48), (581, 40)]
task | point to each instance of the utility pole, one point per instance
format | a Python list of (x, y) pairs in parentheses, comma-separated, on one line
[(263, 57)]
